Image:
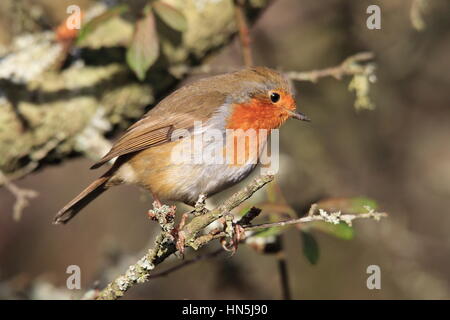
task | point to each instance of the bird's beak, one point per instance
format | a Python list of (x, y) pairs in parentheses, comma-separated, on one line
[(298, 115)]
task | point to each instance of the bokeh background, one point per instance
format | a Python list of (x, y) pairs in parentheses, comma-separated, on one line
[(397, 154)]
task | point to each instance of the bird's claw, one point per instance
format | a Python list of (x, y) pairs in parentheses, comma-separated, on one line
[(178, 234), (235, 233)]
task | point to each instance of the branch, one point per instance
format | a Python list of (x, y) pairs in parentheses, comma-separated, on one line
[(165, 245), (22, 196), (283, 272), (314, 214), (244, 32), (350, 66), (363, 75), (321, 215)]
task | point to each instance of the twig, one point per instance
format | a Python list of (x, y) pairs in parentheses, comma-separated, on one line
[(334, 217), (246, 219), (283, 271), (314, 214), (22, 195), (165, 247), (244, 33), (350, 66), (362, 76)]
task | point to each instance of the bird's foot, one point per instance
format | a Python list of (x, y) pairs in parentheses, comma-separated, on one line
[(178, 234), (235, 233)]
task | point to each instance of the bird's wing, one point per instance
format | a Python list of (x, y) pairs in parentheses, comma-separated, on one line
[(177, 111), (136, 140)]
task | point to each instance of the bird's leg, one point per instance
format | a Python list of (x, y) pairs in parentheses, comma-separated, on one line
[(156, 206), (178, 233), (156, 201), (235, 233), (200, 205), (165, 215), (239, 233)]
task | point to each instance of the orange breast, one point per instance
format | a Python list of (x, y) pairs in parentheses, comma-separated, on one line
[(256, 114)]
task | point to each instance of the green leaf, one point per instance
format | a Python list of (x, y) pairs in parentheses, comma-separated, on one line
[(341, 230), (144, 48), (170, 15), (98, 20), (310, 247)]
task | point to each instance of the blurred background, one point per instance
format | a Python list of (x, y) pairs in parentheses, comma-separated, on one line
[(397, 154)]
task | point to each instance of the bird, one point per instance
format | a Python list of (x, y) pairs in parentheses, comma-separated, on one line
[(253, 98)]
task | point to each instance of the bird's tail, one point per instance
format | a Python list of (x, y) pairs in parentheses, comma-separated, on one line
[(95, 189)]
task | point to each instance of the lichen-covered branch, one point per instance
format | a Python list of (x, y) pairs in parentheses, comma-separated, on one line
[(350, 66), (363, 74), (165, 244), (321, 215)]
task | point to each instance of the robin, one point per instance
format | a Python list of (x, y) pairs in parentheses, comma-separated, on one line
[(256, 99)]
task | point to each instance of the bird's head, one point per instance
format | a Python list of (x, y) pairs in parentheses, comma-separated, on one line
[(261, 98)]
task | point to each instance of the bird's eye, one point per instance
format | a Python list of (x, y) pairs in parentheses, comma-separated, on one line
[(275, 97)]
